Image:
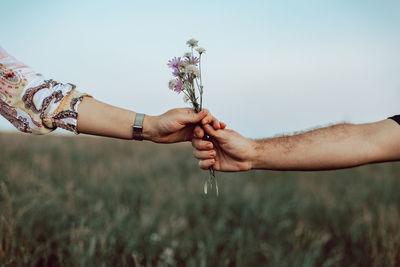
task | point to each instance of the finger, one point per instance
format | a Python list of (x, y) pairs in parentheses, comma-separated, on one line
[(204, 113), (212, 121), (200, 144), (216, 124), (198, 132), (190, 116), (206, 164), (223, 125), (208, 154), (211, 131), (209, 119)]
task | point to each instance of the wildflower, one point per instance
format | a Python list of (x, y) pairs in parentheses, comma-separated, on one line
[(179, 86), (192, 70), (174, 63), (187, 78), (176, 72), (184, 64), (192, 60), (200, 50), (172, 84), (192, 43)]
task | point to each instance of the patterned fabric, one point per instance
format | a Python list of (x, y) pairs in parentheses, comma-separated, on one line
[(33, 104)]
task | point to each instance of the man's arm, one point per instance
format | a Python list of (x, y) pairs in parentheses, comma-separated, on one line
[(334, 147)]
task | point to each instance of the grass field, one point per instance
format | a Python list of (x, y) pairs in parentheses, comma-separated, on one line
[(85, 201)]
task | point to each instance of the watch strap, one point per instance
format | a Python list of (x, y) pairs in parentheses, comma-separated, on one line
[(138, 127)]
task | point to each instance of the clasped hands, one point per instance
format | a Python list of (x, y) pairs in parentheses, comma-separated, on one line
[(228, 150)]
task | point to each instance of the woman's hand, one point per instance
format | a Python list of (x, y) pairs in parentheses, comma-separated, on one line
[(176, 125)]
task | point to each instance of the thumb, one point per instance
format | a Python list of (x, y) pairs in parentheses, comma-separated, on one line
[(192, 117), (216, 134)]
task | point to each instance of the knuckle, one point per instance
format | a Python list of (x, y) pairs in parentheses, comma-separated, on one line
[(204, 145)]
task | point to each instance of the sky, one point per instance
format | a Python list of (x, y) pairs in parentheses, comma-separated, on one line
[(271, 67)]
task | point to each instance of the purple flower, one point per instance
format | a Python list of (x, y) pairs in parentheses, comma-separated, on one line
[(179, 86), (175, 72), (174, 63), (192, 60)]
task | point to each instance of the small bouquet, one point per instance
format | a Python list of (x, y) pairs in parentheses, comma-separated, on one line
[(187, 79)]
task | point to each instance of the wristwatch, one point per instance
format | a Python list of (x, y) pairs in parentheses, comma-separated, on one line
[(138, 127)]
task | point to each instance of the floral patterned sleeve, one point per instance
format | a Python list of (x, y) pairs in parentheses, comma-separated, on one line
[(33, 104)]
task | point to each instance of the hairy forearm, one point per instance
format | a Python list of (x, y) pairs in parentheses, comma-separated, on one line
[(334, 147)]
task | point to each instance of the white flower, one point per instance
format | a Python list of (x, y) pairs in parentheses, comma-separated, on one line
[(192, 70), (186, 99), (192, 43), (187, 55), (200, 50), (172, 84), (184, 64)]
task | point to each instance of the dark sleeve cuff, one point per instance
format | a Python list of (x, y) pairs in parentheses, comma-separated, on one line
[(395, 118)]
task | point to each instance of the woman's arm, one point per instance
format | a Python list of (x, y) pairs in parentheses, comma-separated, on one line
[(176, 125), (36, 105)]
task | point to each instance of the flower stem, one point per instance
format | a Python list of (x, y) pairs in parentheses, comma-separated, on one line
[(201, 84)]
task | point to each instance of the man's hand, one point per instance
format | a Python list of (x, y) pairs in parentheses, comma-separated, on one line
[(176, 125), (228, 151)]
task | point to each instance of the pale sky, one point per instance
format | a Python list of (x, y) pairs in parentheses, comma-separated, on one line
[(271, 66)]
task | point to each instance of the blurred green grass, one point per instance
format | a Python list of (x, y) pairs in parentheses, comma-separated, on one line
[(87, 201)]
